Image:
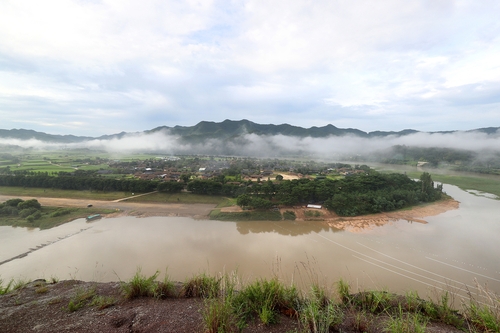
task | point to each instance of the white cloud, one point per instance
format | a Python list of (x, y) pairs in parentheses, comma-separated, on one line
[(366, 64)]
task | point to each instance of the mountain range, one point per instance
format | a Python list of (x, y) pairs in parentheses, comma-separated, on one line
[(227, 129)]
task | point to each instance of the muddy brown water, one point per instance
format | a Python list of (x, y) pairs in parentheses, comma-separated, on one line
[(453, 251)]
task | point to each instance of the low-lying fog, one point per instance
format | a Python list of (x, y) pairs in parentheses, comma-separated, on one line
[(277, 145)]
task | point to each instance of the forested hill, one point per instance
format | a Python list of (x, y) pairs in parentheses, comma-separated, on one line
[(224, 130)]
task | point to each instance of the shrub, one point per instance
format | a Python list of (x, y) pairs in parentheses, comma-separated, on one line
[(60, 212), (27, 212), (289, 215), (32, 203), (13, 202)]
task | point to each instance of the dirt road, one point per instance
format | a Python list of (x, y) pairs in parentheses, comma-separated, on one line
[(127, 208)]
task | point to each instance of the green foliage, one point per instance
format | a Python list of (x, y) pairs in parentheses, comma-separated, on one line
[(27, 212), (265, 299), (374, 301), (343, 289), (319, 317), (363, 193), (404, 322), (484, 317), (7, 288), (143, 286), (289, 215), (60, 212), (202, 285), (32, 203), (218, 316), (103, 302), (81, 298), (170, 187)]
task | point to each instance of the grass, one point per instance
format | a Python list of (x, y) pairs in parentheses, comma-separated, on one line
[(230, 307), (202, 285), (265, 299), (7, 288), (56, 193), (53, 216), (289, 215), (404, 322), (182, 198), (103, 302), (144, 286), (81, 298)]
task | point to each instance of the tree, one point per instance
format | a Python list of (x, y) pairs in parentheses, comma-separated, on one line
[(279, 177)]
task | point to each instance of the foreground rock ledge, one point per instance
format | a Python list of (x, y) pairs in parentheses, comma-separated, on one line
[(41, 306)]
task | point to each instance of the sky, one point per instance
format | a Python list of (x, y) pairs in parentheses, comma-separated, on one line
[(91, 67)]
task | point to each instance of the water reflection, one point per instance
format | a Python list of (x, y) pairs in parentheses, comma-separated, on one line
[(285, 228)]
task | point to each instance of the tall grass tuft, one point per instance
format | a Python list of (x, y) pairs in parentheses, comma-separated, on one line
[(442, 310), (320, 314), (81, 298), (266, 299), (7, 288), (203, 286), (405, 322), (343, 289), (143, 286), (218, 312), (484, 316), (218, 316)]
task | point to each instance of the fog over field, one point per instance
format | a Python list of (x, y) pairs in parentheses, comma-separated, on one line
[(276, 145)]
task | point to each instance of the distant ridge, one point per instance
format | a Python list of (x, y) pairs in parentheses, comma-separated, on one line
[(228, 129)]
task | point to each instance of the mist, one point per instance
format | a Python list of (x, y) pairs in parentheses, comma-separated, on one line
[(253, 145)]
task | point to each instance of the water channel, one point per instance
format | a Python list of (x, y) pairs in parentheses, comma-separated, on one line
[(453, 251)]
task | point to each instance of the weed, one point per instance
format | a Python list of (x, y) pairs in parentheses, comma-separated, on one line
[(318, 317), (404, 322), (217, 316), (289, 215), (484, 316), (265, 299), (203, 286), (103, 302), (81, 298), (442, 311), (374, 301), (7, 288), (343, 289), (361, 322), (41, 290), (19, 284), (413, 303), (140, 285)]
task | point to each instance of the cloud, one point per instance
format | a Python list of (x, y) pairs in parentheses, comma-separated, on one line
[(127, 66), (329, 148)]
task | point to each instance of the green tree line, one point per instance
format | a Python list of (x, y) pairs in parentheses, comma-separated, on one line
[(360, 194)]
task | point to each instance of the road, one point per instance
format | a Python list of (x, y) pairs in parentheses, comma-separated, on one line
[(127, 208)]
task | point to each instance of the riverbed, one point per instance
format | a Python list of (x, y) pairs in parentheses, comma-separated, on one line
[(455, 250)]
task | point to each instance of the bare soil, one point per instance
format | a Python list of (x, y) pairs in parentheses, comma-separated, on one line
[(124, 208)]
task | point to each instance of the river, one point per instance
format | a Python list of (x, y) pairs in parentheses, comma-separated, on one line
[(454, 251)]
